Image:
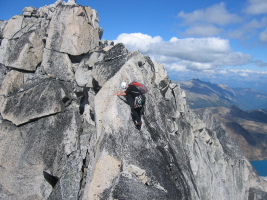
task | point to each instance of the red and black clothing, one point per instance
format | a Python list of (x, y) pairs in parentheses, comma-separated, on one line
[(132, 92)]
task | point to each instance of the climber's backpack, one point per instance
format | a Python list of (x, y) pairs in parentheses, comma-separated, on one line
[(143, 89), (139, 101)]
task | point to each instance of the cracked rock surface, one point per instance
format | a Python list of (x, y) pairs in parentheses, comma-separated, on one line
[(64, 135)]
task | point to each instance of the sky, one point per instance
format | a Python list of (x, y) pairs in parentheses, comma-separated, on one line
[(223, 42)]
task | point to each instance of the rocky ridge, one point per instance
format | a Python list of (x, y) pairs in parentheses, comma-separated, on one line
[(249, 129), (64, 135), (201, 94)]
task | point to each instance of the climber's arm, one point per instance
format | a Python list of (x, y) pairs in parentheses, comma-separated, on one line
[(121, 93)]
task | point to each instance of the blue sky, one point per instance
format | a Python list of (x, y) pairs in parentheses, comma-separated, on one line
[(217, 41)]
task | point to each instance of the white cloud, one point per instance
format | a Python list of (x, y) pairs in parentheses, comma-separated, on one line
[(222, 71), (142, 41), (216, 14), (235, 58), (247, 31), (255, 24), (202, 31), (176, 67), (201, 50), (256, 7), (243, 74), (247, 71), (197, 66), (260, 63), (216, 20), (198, 54), (263, 36), (236, 34)]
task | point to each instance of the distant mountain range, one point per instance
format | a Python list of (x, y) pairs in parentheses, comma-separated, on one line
[(248, 128), (240, 110), (200, 94)]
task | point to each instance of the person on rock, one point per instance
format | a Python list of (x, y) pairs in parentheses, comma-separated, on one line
[(135, 99)]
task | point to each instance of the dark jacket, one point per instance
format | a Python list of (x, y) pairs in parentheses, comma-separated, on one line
[(133, 91)]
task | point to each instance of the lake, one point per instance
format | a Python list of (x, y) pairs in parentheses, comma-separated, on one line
[(260, 167)]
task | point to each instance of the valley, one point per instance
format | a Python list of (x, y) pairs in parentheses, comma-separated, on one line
[(232, 107)]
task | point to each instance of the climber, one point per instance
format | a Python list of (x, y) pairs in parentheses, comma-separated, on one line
[(135, 98)]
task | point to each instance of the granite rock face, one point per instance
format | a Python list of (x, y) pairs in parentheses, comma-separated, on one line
[(65, 135), (73, 30)]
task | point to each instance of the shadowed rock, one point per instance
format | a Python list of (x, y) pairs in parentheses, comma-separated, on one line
[(111, 63), (63, 118), (58, 65), (52, 180), (41, 100)]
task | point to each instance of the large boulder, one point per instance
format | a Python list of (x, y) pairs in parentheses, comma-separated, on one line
[(24, 53), (29, 11), (83, 72), (57, 65), (46, 98), (83, 77), (113, 60), (13, 27), (73, 30), (48, 11), (23, 43), (34, 156)]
